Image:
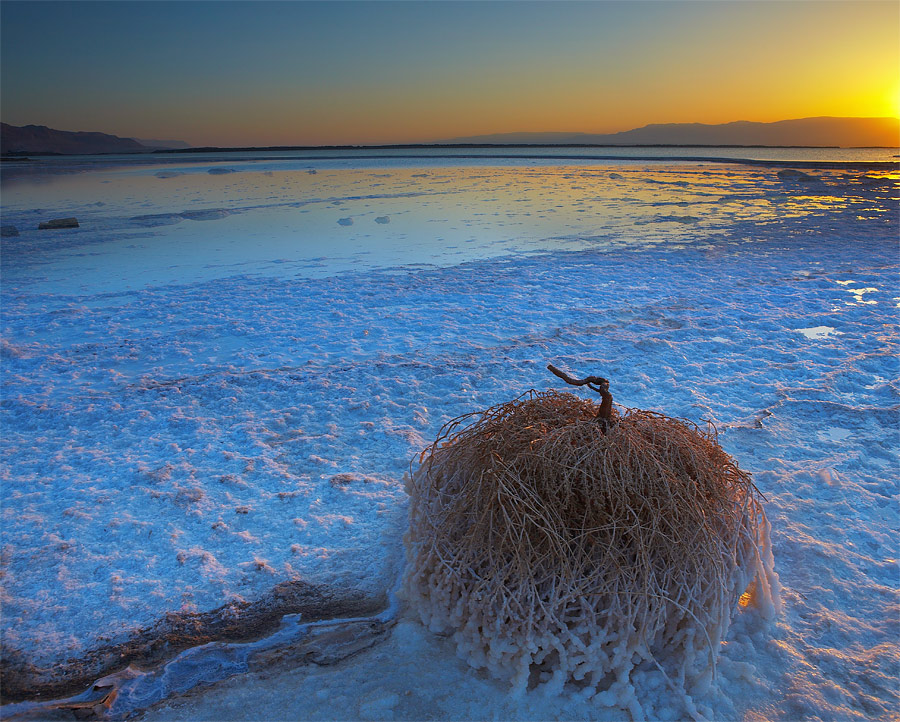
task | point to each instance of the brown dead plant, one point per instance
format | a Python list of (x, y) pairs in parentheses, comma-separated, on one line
[(557, 549)]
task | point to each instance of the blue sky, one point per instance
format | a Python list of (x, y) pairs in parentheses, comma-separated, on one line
[(236, 73)]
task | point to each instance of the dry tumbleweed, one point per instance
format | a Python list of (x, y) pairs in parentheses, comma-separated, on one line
[(557, 549)]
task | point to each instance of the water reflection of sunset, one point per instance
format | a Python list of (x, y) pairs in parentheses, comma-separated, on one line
[(391, 214)]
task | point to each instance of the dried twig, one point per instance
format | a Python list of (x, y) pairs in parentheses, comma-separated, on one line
[(595, 383), (586, 381)]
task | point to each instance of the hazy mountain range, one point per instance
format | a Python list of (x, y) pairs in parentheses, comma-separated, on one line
[(37, 139), (840, 132)]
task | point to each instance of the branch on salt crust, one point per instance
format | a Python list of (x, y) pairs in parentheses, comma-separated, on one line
[(233, 622)]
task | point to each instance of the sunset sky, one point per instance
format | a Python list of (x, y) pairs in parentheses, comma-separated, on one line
[(283, 73)]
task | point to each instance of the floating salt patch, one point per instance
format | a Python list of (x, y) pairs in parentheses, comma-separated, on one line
[(719, 339), (858, 295), (834, 433), (817, 332)]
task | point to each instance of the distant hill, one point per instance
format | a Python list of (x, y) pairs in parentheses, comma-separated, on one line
[(823, 132), (41, 139)]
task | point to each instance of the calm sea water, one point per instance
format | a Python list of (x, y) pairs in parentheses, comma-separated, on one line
[(456, 155)]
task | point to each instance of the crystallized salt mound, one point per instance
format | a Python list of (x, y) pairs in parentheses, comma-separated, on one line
[(557, 549)]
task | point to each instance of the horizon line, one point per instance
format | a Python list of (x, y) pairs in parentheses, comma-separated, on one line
[(23, 155)]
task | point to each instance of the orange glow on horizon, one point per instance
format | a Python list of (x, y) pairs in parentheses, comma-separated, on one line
[(370, 73)]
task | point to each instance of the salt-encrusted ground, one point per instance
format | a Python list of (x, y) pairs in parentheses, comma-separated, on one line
[(176, 435)]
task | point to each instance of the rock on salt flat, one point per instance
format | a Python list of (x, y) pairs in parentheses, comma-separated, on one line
[(194, 412)]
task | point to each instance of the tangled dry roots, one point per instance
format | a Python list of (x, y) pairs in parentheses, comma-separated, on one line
[(558, 551)]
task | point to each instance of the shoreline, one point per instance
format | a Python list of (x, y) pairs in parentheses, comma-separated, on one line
[(502, 152), (13, 154)]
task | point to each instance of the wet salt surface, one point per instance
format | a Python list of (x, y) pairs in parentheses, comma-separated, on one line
[(176, 435), (267, 220)]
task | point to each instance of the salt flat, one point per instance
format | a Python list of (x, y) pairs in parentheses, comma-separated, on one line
[(217, 382)]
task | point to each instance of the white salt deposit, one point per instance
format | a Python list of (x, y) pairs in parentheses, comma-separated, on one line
[(817, 332), (194, 411)]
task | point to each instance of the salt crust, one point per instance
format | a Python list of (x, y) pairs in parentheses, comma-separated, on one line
[(556, 552), (769, 258)]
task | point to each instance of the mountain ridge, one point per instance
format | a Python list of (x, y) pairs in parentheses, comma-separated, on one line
[(823, 131), (38, 139)]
